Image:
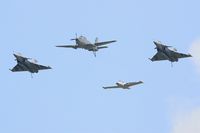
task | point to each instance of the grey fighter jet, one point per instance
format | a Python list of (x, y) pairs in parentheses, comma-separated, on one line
[(82, 42), (123, 85), (165, 53), (27, 64)]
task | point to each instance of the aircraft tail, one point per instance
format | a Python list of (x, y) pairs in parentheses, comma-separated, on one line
[(96, 40)]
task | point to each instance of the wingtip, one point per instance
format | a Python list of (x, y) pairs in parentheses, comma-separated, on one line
[(59, 46)]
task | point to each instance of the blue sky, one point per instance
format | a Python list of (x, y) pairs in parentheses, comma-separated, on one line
[(70, 98)]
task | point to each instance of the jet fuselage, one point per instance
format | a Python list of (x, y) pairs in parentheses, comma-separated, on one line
[(25, 64), (122, 85), (166, 51)]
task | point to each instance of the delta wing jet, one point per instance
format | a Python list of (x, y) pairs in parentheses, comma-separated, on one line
[(27, 64), (82, 42), (165, 53), (123, 85)]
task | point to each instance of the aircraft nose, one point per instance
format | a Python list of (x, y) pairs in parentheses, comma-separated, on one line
[(15, 55), (155, 43)]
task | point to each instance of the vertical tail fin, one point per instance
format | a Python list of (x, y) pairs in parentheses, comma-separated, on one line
[(96, 40)]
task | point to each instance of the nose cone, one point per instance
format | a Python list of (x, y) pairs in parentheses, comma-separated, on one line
[(15, 55), (18, 55), (156, 43)]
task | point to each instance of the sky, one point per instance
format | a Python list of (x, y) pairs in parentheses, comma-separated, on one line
[(70, 97)]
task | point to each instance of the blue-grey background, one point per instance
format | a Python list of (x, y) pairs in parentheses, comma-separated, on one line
[(69, 98)]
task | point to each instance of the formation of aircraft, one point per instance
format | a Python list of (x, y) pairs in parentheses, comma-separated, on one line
[(83, 43), (165, 53), (26, 64), (123, 85)]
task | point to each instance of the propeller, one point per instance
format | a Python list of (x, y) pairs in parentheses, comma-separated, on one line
[(74, 38)]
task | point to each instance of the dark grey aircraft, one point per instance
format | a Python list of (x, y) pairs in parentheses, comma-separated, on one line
[(123, 85), (26, 64), (165, 53), (82, 42)]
